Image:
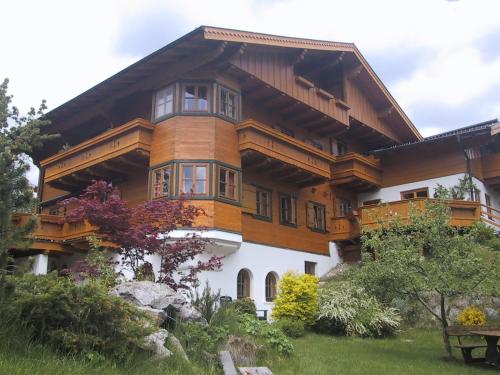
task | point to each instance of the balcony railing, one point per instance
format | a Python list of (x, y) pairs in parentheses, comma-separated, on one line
[(258, 142), (52, 233), (357, 172), (120, 144), (463, 214)]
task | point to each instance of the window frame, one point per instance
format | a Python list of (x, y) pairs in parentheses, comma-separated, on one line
[(227, 171), (414, 191), (197, 85), (236, 109), (341, 212), (293, 210), (154, 184), (157, 118), (194, 179), (311, 221), (308, 264), (246, 290), (258, 215), (270, 288)]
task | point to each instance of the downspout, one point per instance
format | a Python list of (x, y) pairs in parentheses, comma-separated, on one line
[(468, 166)]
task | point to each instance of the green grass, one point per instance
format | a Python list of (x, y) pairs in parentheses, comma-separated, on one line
[(411, 352), (20, 357)]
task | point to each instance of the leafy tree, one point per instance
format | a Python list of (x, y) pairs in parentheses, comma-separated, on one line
[(143, 230), (427, 258), (459, 191), (20, 136)]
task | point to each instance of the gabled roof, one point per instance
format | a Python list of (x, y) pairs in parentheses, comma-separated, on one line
[(474, 129), (209, 34)]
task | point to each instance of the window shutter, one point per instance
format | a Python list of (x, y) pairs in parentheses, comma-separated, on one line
[(310, 214), (249, 199)]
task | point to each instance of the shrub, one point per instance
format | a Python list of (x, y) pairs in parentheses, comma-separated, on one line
[(297, 298), (471, 316), (197, 338), (207, 303), (272, 335), (76, 318), (245, 306), (348, 310), (291, 328)]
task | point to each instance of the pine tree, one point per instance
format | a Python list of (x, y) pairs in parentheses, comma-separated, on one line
[(20, 136)]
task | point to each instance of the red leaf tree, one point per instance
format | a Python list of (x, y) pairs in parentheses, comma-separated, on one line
[(144, 230)]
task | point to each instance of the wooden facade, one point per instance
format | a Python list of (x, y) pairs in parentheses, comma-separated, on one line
[(292, 120)]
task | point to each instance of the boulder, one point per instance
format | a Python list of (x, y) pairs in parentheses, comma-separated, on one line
[(177, 346), (156, 343), (156, 298)]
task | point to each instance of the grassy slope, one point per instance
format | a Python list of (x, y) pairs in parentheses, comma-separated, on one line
[(412, 352)]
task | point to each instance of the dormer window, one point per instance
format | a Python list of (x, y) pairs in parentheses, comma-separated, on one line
[(164, 102), (195, 98)]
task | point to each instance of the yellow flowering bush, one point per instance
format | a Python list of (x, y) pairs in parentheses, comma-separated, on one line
[(471, 316), (297, 298)]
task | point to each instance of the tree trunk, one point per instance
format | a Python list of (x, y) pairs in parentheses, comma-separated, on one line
[(444, 325)]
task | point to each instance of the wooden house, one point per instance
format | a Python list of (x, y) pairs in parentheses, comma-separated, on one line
[(273, 136)]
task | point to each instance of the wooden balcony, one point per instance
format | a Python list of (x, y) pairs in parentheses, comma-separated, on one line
[(357, 172), (344, 229), (463, 213), (491, 170), (287, 159), (52, 234), (110, 155)]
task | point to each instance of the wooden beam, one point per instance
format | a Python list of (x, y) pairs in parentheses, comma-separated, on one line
[(354, 72), (299, 57)]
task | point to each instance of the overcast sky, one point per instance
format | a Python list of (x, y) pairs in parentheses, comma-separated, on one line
[(440, 59)]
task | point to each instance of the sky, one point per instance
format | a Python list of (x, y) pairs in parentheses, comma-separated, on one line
[(439, 58)]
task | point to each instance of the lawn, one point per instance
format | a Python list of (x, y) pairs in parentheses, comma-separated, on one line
[(411, 352)]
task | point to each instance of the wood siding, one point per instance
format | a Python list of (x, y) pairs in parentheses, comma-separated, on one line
[(277, 71)]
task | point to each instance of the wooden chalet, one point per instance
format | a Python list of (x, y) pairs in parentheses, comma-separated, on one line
[(273, 136)]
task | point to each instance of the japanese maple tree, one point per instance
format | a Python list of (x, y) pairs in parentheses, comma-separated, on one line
[(144, 230)]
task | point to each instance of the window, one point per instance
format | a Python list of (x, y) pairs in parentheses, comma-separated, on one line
[(196, 98), (271, 281), (263, 202), (164, 102), (310, 268), (228, 185), (337, 147), (288, 209), (243, 284), (487, 201), (371, 202), (194, 179), (416, 193), (342, 207), (228, 104), (161, 182), (316, 216), (477, 195)]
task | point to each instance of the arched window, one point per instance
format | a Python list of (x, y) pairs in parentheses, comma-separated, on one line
[(243, 284), (271, 281)]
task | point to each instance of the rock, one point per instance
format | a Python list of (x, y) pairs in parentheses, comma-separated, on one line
[(156, 343), (156, 298), (491, 314), (142, 293), (176, 344), (227, 363)]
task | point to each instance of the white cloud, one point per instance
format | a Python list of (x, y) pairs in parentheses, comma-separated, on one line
[(56, 50)]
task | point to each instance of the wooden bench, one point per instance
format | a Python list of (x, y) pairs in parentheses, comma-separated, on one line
[(464, 331)]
